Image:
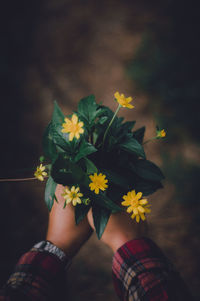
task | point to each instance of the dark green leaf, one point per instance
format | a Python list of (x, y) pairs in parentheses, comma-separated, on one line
[(49, 145), (91, 168), (148, 170), (59, 138), (58, 116), (88, 110), (54, 140), (111, 142), (133, 146), (147, 187), (116, 178), (81, 211), (139, 134), (66, 173), (100, 217), (103, 119), (85, 149), (50, 192), (127, 126), (102, 200), (55, 198)]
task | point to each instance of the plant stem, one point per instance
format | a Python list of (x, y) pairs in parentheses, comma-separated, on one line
[(150, 140), (106, 132), (17, 180)]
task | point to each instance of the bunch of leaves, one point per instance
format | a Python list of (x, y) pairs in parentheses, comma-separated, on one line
[(120, 156)]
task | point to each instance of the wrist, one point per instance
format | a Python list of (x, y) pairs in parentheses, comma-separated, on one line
[(118, 241), (61, 244)]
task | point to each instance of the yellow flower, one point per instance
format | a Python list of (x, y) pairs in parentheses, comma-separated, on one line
[(123, 101), (161, 134), (136, 204), (72, 195), (98, 182), (73, 127), (40, 173)]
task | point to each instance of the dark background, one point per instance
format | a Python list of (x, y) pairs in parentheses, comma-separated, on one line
[(64, 50)]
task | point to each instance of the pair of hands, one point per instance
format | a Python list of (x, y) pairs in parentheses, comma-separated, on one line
[(65, 234)]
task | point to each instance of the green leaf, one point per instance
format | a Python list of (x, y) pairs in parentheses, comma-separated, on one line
[(50, 192), (49, 145), (103, 119), (58, 138), (131, 145), (85, 149), (116, 178), (102, 200), (148, 170), (100, 217), (91, 168), (54, 142), (111, 142), (127, 126), (58, 116), (139, 134), (66, 173), (53, 136), (81, 211), (147, 187), (88, 110)]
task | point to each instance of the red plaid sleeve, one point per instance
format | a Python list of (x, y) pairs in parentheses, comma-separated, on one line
[(37, 276), (141, 272)]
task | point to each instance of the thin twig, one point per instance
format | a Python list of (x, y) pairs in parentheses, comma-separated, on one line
[(18, 180)]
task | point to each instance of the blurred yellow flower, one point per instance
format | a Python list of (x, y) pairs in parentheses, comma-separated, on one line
[(123, 101), (136, 204), (73, 127), (72, 196), (98, 182), (40, 173), (161, 134)]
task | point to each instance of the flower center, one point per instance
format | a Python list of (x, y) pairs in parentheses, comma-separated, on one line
[(134, 203), (73, 195), (74, 127)]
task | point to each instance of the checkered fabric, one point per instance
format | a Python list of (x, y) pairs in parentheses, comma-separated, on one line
[(39, 275), (141, 272)]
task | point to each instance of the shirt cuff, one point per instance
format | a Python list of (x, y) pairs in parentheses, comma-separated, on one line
[(47, 246), (138, 267)]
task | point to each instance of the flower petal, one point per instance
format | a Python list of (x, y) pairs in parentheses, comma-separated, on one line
[(74, 119), (138, 195), (125, 203), (71, 136), (137, 218), (142, 216), (141, 209), (129, 209), (143, 202)]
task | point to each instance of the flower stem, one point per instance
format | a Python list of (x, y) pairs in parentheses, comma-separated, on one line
[(150, 140), (17, 180), (106, 132)]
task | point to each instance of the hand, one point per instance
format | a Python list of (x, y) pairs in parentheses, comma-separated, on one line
[(62, 229), (120, 229)]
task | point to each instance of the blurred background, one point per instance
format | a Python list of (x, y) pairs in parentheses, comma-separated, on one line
[(65, 50)]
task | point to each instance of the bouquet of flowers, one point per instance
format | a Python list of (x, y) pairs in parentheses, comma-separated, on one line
[(100, 161)]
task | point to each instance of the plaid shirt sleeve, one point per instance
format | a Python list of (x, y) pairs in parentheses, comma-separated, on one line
[(39, 275), (141, 272)]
